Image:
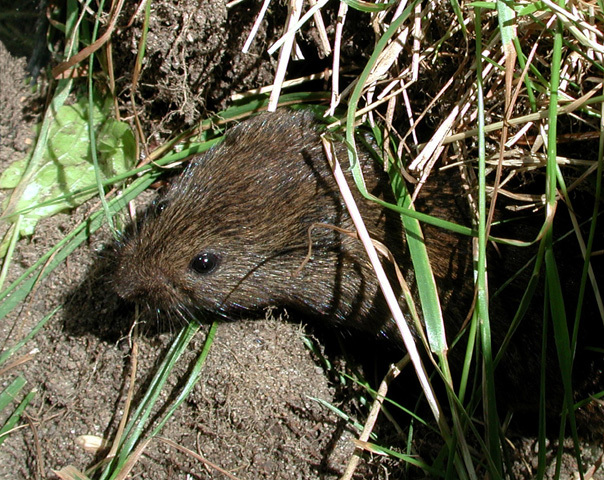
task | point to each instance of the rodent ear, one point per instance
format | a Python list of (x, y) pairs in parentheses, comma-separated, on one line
[(204, 262)]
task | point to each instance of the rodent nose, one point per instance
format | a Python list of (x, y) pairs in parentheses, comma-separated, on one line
[(136, 283)]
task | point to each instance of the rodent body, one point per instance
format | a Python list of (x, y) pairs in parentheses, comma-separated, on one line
[(249, 207), (232, 232)]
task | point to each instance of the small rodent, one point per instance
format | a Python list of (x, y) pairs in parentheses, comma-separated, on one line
[(230, 235)]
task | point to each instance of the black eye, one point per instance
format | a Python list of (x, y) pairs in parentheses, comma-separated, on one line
[(160, 205), (205, 262)]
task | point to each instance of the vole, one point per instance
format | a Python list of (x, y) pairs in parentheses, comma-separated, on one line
[(231, 237)]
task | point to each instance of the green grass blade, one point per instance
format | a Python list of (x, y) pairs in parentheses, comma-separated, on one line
[(410, 459), (191, 380), (554, 289), (17, 346), (8, 395), (139, 419), (11, 391), (137, 423), (481, 312)]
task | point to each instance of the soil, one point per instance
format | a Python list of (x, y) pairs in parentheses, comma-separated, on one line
[(254, 411)]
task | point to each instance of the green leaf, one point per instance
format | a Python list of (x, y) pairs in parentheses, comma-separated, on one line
[(116, 147), (66, 163), (11, 176)]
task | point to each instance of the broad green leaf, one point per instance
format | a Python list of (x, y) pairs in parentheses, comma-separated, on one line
[(66, 165)]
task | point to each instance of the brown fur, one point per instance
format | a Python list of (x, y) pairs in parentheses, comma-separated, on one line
[(252, 200)]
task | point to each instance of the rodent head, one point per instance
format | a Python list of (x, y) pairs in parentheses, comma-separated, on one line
[(231, 233)]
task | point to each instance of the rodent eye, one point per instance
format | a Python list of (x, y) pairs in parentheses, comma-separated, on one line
[(160, 205), (205, 262)]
